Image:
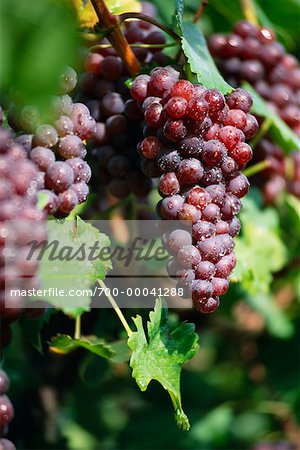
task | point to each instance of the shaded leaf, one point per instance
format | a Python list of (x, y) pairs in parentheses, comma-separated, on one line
[(160, 354), (63, 343)]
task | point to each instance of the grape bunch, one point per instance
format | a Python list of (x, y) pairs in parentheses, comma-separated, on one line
[(194, 140), (57, 147), (118, 128), (252, 54), (21, 221), (6, 412)]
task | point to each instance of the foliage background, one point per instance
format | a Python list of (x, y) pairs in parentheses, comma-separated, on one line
[(243, 386)]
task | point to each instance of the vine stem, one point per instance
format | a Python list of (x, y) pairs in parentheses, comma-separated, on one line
[(263, 129), (156, 23), (97, 47), (110, 24), (249, 11), (256, 168), (116, 308), (200, 11), (77, 332)]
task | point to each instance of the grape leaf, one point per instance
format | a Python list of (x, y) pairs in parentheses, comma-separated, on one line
[(165, 10), (63, 344), (160, 355), (88, 18), (177, 18), (58, 271), (260, 239), (279, 130), (201, 63)]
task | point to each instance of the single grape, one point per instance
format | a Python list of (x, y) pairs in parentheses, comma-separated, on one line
[(205, 270), (45, 136), (71, 146), (168, 184), (67, 201), (6, 411), (68, 80), (43, 157), (190, 171), (82, 171), (178, 239), (59, 176)]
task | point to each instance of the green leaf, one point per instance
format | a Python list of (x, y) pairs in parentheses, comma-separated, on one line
[(177, 18), (38, 40), (160, 355), (279, 130), (165, 10), (201, 63), (63, 343), (260, 251), (58, 271)]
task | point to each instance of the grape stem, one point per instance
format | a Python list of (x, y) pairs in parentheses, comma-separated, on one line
[(116, 307), (110, 25), (256, 168), (156, 23), (97, 47), (249, 11), (200, 11), (77, 332)]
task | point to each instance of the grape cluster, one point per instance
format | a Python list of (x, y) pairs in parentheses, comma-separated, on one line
[(194, 140), (20, 222), (252, 53), (118, 128), (57, 147), (6, 412)]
